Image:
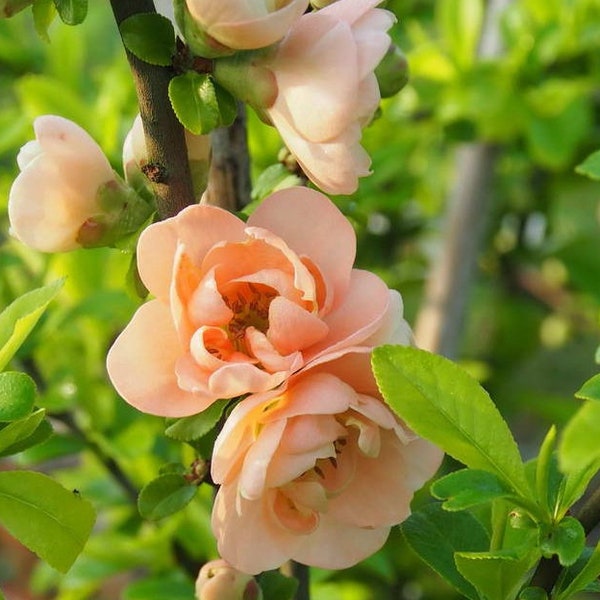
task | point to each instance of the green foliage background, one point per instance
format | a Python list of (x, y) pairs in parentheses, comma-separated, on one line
[(532, 322)]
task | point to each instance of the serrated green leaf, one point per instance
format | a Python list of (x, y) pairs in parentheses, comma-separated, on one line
[(188, 429), (436, 535), (587, 575), (50, 520), (38, 436), (165, 495), (445, 405), (150, 37), (227, 105), (495, 575), (590, 390), (19, 430), (590, 167), (566, 540), (20, 317), (72, 12), (276, 586), (468, 487), (17, 395), (194, 101), (43, 12)]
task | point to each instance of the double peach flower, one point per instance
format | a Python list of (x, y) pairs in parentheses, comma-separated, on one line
[(312, 464)]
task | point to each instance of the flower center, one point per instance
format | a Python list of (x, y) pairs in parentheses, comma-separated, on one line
[(249, 303)]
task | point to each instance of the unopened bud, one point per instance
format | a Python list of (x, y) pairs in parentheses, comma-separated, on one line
[(218, 580), (8, 8), (392, 72)]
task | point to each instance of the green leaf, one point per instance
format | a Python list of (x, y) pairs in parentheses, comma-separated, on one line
[(495, 575), (51, 521), (165, 495), (445, 405), (19, 430), (579, 444), (192, 428), (276, 586), (590, 167), (17, 395), (20, 317), (150, 37), (39, 435), (468, 487), (194, 101), (566, 540), (590, 390), (273, 178), (200, 104), (533, 593), (435, 535), (588, 574), (460, 22), (43, 12), (173, 586), (72, 12)]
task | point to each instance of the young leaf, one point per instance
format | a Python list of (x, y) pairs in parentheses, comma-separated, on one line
[(39, 435), (590, 390), (544, 466), (436, 535), (21, 429), (468, 487), (445, 405), (43, 12), (165, 495), (194, 101), (276, 586), (72, 12), (188, 429), (17, 395), (50, 520), (579, 444), (18, 319), (495, 575), (589, 573), (533, 593), (566, 540), (590, 166), (150, 37)]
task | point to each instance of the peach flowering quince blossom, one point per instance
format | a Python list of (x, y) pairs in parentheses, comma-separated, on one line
[(327, 91), (316, 471), (57, 189), (244, 25), (239, 306)]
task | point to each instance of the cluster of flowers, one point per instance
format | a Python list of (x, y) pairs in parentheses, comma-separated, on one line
[(312, 464), (312, 75)]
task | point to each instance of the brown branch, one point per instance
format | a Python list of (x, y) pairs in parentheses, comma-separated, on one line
[(168, 168)]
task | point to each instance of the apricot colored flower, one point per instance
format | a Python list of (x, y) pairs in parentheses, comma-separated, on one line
[(239, 306), (244, 25), (327, 90), (57, 189), (218, 580), (317, 472)]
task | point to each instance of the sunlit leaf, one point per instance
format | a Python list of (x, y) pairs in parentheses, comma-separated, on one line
[(150, 37), (17, 395), (165, 495), (50, 520)]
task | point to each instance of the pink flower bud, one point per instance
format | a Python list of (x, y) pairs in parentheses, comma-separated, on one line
[(246, 25), (218, 580), (56, 192)]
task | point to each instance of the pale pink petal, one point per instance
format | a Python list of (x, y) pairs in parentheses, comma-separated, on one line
[(235, 379), (337, 545), (360, 315), (349, 11), (254, 471), (371, 39), (143, 371), (206, 305), (319, 50), (292, 328), (198, 228), (268, 356), (312, 226), (393, 329)]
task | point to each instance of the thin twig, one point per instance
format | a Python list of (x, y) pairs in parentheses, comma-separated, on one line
[(167, 168)]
